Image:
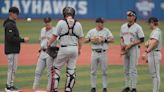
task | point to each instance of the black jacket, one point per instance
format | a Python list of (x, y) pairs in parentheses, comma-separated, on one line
[(12, 38)]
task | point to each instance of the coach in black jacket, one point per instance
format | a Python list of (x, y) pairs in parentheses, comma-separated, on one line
[(12, 46)]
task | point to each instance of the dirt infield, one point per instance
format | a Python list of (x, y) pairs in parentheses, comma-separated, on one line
[(29, 53)]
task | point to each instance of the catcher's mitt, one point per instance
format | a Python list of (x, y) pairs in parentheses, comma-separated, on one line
[(52, 51)]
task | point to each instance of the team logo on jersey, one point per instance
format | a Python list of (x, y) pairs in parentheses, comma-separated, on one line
[(145, 7)]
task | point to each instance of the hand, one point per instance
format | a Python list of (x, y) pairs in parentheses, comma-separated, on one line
[(128, 46), (26, 39), (101, 39), (144, 57)]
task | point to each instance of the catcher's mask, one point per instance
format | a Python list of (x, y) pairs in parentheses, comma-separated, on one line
[(68, 11)]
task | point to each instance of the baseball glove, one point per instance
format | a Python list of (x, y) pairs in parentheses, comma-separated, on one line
[(97, 39), (52, 51)]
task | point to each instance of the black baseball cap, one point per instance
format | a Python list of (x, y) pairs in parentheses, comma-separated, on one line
[(99, 20), (47, 20), (131, 13), (14, 10), (152, 19)]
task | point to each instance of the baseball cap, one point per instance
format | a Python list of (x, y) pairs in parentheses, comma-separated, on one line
[(14, 10), (47, 19), (99, 20), (152, 19), (131, 13)]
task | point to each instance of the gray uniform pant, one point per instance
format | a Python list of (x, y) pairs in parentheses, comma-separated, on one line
[(154, 59), (96, 59), (66, 55), (41, 65), (130, 63), (12, 67)]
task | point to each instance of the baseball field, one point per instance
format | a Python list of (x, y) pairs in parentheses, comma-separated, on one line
[(28, 58)]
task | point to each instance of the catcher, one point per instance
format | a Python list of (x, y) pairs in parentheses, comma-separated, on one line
[(47, 56), (99, 38)]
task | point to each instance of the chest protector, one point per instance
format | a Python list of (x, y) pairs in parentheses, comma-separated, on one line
[(70, 30)]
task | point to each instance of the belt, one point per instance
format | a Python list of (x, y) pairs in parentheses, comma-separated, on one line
[(99, 50), (67, 45), (157, 50)]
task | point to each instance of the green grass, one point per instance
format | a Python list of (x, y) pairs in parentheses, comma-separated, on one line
[(25, 76), (32, 29)]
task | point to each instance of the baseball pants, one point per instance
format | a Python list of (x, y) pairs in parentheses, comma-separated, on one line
[(96, 59), (130, 67), (154, 59), (41, 65), (12, 67)]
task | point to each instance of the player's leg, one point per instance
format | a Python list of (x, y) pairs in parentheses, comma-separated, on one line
[(133, 67), (41, 65), (104, 66), (154, 68), (58, 63), (70, 72), (94, 65), (126, 72), (49, 64), (12, 67)]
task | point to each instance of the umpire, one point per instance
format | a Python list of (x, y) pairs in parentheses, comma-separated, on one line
[(12, 46)]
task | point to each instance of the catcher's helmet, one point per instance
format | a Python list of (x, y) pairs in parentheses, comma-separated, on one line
[(68, 11)]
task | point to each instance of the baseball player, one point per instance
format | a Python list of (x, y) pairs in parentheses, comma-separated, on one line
[(44, 60), (152, 52), (70, 35), (99, 37), (12, 47), (131, 36)]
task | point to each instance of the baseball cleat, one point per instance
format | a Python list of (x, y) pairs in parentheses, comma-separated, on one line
[(93, 90), (127, 89), (133, 90), (104, 89)]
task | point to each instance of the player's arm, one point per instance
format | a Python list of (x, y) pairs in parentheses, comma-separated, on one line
[(137, 42), (80, 41), (52, 39), (109, 40), (152, 44), (134, 43), (87, 40)]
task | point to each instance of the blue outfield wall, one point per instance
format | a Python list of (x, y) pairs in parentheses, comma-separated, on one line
[(85, 9)]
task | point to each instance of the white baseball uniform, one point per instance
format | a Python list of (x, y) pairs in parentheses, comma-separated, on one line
[(130, 34), (154, 58), (44, 60), (99, 55), (68, 52)]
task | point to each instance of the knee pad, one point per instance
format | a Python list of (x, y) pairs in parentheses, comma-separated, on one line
[(70, 80)]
